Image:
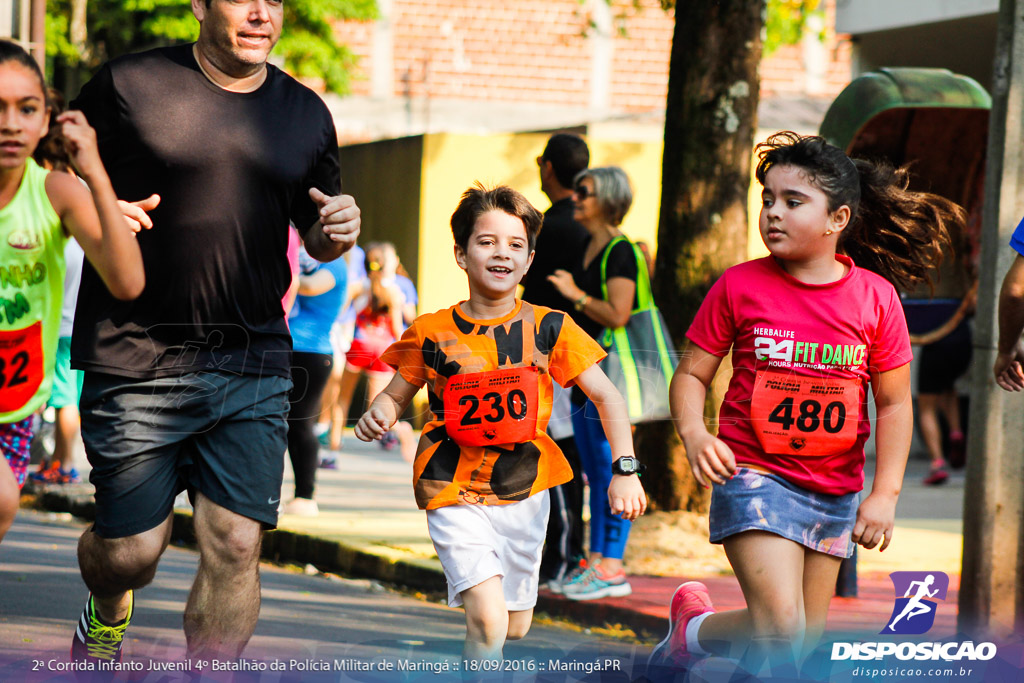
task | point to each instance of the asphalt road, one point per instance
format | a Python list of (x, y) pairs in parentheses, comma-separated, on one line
[(311, 628)]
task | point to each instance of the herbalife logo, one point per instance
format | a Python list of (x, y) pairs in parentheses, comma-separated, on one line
[(917, 596)]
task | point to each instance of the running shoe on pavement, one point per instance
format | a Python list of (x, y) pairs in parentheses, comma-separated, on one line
[(96, 641), (691, 599), (47, 474), (596, 583), (937, 476), (557, 586)]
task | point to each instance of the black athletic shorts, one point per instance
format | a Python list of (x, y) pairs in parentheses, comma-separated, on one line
[(219, 433), (943, 362)]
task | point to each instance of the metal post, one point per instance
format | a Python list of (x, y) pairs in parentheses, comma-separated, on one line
[(37, 33), (991, 587)]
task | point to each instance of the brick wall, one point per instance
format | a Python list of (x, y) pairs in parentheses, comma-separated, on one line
[(784, 70), (641, 57), (537, 50)]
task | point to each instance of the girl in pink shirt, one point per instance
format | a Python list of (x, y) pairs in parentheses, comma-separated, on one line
[(810, 327)]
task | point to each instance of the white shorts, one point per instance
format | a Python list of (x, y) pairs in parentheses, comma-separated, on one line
[(476, 542)]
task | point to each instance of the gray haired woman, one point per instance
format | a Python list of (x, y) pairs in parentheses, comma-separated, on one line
[(603, 196)]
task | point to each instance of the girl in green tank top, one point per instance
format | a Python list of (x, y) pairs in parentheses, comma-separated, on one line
[(38, 211)]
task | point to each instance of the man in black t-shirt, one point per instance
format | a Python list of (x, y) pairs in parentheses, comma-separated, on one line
[(559, 244), (187, 386)]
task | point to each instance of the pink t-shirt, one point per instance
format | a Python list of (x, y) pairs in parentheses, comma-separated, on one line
[(802, 356)]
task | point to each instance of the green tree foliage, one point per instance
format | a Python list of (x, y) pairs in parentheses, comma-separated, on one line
[(83, 34), (785, 20)]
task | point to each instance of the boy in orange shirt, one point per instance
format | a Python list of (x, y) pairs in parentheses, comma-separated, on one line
[(484, 463)]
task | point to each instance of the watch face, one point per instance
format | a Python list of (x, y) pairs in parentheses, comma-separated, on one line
[(627, 465)]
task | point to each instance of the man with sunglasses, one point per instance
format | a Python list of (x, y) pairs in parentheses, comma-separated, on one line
[(559, 244)]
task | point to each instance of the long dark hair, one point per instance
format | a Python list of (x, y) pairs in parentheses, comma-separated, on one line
[(893, 231), (51, 152)]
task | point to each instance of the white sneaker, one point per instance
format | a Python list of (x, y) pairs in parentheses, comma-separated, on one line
[(301, 507)]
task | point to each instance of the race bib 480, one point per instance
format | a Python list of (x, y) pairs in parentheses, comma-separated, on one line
[(794, 415), (495, 407)]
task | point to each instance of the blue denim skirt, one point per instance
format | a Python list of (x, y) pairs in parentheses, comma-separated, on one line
[(755, 500)]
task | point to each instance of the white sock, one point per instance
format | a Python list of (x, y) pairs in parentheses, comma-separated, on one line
[(692, 642)]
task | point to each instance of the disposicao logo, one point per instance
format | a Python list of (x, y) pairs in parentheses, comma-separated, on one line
[(917, 596)]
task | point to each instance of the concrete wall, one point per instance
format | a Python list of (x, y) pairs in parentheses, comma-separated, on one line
[(408, 189), (553, 52)]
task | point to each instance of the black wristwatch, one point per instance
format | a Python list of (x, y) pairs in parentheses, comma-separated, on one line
[(627, 464)]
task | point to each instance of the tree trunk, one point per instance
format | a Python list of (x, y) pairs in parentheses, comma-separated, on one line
[(710, 119)]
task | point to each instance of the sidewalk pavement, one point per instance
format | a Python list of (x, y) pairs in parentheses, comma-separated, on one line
[(369, 526)]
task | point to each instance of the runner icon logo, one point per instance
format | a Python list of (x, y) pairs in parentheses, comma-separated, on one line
[(917, 596)]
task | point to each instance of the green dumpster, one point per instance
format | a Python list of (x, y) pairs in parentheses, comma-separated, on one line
[(937, 122)]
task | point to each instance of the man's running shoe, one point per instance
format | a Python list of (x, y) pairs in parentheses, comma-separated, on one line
[(95, 640), (596, 583), (691, 599)]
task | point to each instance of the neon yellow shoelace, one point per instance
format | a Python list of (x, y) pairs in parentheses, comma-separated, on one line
[(103, 641)]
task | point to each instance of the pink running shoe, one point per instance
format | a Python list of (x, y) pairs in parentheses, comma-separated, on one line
[(691, 599)]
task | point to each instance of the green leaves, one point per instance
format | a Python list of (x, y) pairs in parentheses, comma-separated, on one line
[(786, 20), (115, 27)]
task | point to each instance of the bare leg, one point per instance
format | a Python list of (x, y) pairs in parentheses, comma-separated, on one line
[(65, 432), (224, 604), (820, 573), (406, 440), (487, 620), (112, 566), (928, 419), (950, 407), (376, 383), (9, 497), (519, 623), (770, 570), (349, 380), (332, 392)]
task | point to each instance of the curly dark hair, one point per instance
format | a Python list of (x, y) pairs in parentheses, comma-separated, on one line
[(893, 231)]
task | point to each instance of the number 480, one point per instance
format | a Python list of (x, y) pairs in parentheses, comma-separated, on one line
[(810, 416)]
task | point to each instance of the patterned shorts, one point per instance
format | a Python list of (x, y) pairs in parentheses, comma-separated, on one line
[(15, 441), (755, 500)]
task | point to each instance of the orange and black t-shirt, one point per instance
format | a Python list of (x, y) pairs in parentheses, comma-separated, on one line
[(541, 343)]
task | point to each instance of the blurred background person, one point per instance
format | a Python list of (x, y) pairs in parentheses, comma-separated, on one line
[(321, 293), (602, 198), (559, 244), (67, 383), (379, 322)]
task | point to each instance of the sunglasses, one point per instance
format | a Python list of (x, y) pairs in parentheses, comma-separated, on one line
[(582, 191)]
